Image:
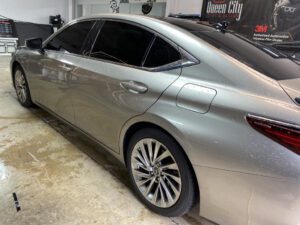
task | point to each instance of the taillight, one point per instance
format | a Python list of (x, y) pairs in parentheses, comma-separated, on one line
[(285, 134)]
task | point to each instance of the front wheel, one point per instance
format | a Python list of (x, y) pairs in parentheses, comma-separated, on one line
[(160, 173), (22, 88)]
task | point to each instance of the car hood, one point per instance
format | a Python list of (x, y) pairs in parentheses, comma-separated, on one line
[(292, 88)]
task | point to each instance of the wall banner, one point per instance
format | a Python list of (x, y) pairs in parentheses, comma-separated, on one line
[(114, 6), (260, 20)]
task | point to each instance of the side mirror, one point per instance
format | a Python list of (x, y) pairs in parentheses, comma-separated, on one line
[(34, 43)]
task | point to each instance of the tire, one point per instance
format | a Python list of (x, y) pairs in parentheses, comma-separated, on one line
[(161, 177), (22, 88)]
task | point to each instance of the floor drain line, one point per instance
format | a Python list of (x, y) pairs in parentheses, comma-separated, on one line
[(176, 223)]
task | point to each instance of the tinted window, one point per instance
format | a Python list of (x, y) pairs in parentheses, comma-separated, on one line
[(161, 53), (71, 39), (262, 58), (122, 42)]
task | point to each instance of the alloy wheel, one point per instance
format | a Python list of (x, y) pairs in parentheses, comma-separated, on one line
[(21, 87), (156, 173)]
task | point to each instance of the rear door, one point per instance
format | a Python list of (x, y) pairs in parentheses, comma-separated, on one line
[(128, 69)]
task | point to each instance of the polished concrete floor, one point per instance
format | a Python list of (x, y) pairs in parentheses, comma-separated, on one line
[(59, 176)]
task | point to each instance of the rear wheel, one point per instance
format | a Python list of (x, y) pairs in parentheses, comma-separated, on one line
[(22, 88), (160, 173)]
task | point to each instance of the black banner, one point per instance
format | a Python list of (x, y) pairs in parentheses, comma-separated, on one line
[(260, 20), (27, 30)]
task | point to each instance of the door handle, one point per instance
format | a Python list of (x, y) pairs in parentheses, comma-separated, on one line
[(134, 87), (66, 68)]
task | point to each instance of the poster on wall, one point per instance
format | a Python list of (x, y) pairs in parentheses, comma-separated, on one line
[(261, 20), (114, 6), (7, 28)]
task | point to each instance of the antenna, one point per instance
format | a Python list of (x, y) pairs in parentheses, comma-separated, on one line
[(222, 26)]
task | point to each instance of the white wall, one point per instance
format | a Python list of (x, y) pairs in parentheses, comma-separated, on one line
[(184, 6), (89, 7), (37, 11)]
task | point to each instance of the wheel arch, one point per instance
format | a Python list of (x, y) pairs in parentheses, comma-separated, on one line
[(14, 65), (139, 124), (134, 128)]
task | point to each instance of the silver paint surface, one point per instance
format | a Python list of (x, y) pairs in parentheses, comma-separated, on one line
[(240, 172), (59, 175), (195, 98)]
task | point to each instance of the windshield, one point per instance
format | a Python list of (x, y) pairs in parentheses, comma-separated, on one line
[(263, 58)]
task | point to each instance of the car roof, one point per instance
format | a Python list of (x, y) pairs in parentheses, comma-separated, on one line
[(183, 23)]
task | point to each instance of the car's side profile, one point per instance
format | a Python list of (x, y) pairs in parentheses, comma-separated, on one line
[(194, 113)]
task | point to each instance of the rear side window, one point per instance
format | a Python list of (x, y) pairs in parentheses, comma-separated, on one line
[(71, 40), (122, 43), (161, 53)]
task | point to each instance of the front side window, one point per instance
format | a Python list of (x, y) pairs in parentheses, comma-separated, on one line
[(71, 40), (161, 53), (122, 43)]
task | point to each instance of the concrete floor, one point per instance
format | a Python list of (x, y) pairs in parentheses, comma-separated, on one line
[(59, 176)]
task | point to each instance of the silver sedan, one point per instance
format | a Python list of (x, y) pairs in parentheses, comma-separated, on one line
[(196, 113)]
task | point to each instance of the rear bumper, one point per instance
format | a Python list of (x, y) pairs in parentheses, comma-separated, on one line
[(233, 198)]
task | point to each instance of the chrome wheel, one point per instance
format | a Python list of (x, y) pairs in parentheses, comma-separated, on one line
[(156, 173), (21, 87)]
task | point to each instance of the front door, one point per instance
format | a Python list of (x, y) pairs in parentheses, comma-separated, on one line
[(57, 64)]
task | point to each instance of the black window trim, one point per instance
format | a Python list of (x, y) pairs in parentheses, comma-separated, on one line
[(148, 50), (90, 38)]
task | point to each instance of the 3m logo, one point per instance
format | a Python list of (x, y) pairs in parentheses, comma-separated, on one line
[(288, 9), (261, 28)]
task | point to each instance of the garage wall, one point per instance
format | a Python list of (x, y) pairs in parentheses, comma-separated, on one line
[(90, 7), (37, 11), (184, 6)]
